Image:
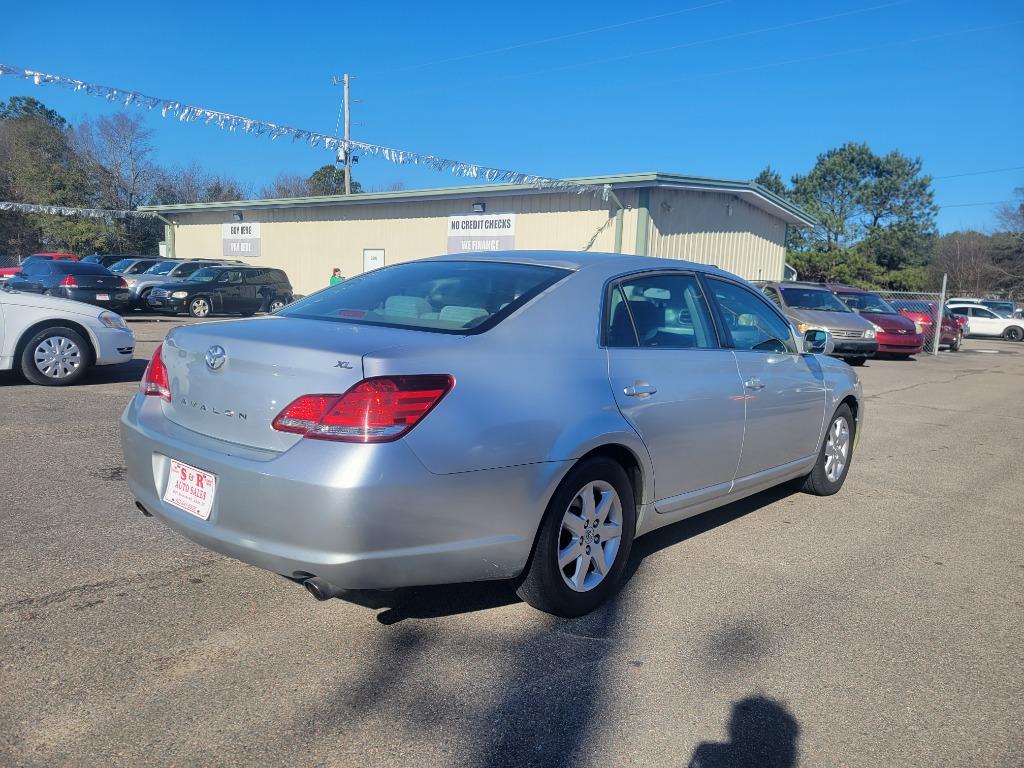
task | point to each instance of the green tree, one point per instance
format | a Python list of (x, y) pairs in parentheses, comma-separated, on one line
[(770, 179), (330, 180)]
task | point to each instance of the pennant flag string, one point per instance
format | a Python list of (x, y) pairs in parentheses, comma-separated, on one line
[(62, 210), (188, 113)]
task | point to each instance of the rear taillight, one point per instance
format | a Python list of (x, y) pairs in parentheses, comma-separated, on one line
[(69, 281), (155, 380), (376, 410), (122, 283)]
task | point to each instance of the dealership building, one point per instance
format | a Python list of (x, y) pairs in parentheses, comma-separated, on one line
[(736, 225)]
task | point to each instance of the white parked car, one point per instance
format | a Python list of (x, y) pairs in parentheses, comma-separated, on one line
[(53, 341), (987, 322)]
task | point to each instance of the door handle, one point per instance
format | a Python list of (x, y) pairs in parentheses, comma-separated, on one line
[(639, 389), (753, 383)]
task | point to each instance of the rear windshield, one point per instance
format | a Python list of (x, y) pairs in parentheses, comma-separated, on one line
[(444, 296), (868, 302), (812, 298), (79, 268)]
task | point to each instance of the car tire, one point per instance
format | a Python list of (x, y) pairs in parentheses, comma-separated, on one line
[(957, 343), (568, 527), (199, 307), (826, 479), (1013, 333), (55, 356), (856, 360)]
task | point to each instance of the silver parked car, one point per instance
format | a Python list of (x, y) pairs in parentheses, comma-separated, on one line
[(519, 415), (812, 305)]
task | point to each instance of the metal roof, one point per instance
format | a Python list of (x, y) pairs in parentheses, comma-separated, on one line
[(755, 194)]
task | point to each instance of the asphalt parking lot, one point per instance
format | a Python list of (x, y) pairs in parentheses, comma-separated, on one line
[(883, 626)]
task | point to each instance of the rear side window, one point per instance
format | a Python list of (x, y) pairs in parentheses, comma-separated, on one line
[(443, 296), (664, 311)]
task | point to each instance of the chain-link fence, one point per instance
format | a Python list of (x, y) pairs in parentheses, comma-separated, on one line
[(8, 261), (924, 309)]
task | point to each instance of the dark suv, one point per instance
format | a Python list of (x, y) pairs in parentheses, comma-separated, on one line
[(224, 289)]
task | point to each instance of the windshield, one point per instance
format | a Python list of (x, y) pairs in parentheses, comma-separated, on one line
[(812, 298), (440, 296), (868, 302), (121, 266), (161, 268), (204, 275)]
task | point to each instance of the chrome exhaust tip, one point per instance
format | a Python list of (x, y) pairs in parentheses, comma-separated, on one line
[(321, 589)]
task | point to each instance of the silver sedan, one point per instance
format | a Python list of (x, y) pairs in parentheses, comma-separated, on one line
[(520, 415)]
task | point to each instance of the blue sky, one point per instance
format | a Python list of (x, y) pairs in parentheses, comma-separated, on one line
[(705, 87)]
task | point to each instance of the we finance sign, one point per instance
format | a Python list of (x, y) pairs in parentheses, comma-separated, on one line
[(482, 232)]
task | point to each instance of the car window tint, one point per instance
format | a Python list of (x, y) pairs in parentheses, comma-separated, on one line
[(230, 276), (442, 296), (665, 311), (750, 319), (184, 270)]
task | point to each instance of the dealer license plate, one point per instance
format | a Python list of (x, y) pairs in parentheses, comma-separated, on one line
[(102, 297), (190, 489)]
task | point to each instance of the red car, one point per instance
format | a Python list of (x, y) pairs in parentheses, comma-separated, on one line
[(897, 335), (923, 315), (7, 272)]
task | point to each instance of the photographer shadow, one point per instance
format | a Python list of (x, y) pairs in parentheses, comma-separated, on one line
[(762, 733)]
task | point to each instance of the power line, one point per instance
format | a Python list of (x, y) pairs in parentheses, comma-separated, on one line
[(969, 205), (709, 40), (546, 40), (979, 173)]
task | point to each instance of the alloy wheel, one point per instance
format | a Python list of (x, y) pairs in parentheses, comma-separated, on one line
[(200, 308), (591, 531), (1014, 334), (57, 357), (837, 449), (275, 305)]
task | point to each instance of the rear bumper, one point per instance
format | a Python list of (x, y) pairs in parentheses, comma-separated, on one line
[(359, 516), (119, 298), (900, 344)]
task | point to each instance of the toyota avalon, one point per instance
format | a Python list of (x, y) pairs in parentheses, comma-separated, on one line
[(519, 415)]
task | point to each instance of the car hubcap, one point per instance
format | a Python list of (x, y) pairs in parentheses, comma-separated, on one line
[(588, 541), (57, 357), (276, 305), (837, 449), (200, 308)]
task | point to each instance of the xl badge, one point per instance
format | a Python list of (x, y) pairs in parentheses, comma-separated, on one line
[(216, 357), (343, 364)]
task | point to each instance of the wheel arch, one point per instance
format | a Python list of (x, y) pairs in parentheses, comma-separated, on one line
[(19, 348)]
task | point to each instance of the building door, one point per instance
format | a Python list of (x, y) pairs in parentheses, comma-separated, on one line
[(373, 258)]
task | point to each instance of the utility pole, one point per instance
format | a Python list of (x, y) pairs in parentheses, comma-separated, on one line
[(348, 136)]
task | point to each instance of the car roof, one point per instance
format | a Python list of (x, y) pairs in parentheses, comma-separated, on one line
[(791, 284), (579, 260)]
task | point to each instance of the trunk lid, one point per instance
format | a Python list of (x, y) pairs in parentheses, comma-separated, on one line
[(97, 282), (268, 362)]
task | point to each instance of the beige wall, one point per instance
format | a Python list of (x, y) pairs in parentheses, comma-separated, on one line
[(307, 242), (697, 226)]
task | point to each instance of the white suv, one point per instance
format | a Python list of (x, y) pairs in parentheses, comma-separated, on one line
[(986, 322)]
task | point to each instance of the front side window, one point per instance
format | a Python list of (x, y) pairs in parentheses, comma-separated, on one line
[(661, 310), (750, 320), (161, 268), (442, 296), (979, 312)]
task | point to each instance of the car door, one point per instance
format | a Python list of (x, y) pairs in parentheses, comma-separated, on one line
[(229, 292), (985, 322), (784, 390), (675, 383), (256, 291)]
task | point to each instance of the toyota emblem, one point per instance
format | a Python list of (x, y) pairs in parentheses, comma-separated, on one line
[(216, 357)]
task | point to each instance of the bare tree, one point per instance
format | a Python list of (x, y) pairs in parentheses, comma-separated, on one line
[(967, 259), (287, 185), (192, 184), (118, 151)]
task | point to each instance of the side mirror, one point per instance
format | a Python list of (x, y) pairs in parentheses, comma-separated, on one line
[(818, 342)]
